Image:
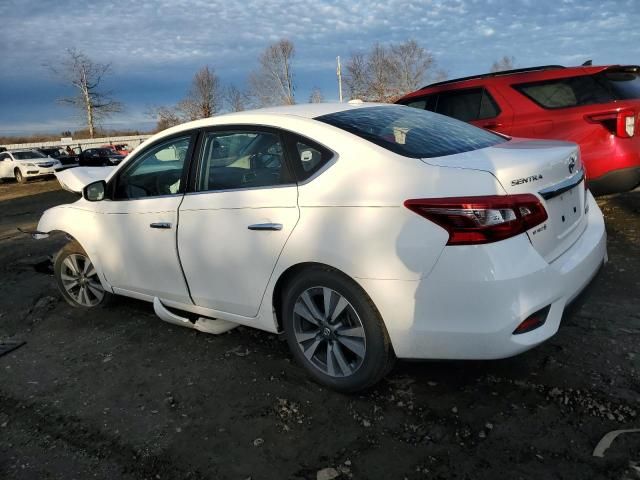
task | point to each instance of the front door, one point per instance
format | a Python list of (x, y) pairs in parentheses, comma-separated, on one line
[(236, 222), (139, 222)]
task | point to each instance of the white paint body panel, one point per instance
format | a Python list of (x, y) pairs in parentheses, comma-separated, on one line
[(436, 301)]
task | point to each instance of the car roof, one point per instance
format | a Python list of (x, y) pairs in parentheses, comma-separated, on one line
[(539, 73), (303, 110)]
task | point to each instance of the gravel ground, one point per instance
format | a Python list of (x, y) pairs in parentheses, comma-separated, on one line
[(120, 394)]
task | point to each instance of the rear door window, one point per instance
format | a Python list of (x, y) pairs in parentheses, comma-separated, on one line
[(467, 105), (428, 102)]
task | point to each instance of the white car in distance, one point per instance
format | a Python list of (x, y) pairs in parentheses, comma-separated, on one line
[(363, 232), (25, 164)]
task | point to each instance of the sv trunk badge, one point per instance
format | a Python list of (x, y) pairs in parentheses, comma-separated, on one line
[(572, 164)]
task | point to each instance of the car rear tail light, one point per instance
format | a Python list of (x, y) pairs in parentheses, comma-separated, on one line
[(533, 321), (622, 122), (478, 220)]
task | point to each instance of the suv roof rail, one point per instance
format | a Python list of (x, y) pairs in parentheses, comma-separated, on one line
[(496, 74)]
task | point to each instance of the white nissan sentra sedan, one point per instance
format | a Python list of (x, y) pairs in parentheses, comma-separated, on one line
[(363, 232)]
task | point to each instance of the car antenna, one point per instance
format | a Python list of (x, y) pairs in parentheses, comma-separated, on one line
[(588, 63)]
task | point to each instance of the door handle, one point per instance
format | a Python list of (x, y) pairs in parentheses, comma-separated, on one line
[(265, 226), (163, 225)]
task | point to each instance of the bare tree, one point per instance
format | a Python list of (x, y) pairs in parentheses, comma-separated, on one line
[(166, 117), (316, 96), (505, 63), (204, 98), (387, 72), (412, 63), (85, 76), (235, 99), (272, 83), (356, 77)]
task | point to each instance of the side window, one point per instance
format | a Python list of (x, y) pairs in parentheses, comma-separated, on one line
[(308, 157), (156, 172), (428, 102), (241, 159), (4, 156), (488, 106)]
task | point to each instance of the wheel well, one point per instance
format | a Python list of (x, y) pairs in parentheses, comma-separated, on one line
[(284, 279)]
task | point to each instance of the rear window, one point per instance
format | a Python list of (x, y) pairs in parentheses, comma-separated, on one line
[(625, 85), (603, 87), (411, 132)]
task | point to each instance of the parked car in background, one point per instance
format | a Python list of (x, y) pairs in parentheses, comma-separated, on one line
[(99, 157), (119, 149), (361, 231), (597, 107), (25, 164), (61, 155)]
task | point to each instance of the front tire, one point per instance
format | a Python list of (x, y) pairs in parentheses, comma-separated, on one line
[(77, 279), (334, 331), (19, 177)]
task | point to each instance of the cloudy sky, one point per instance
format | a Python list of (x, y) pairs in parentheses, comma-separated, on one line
[(156, 46)]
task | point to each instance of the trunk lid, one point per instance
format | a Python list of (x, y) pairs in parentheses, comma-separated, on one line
[(550, 169)]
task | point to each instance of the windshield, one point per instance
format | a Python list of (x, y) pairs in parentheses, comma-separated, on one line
[(411, 132), (27, 155)]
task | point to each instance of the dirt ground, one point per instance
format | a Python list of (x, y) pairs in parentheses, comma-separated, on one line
[(119, 394)]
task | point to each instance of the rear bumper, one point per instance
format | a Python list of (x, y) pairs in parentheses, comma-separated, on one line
[(476, 296), (616, 181)]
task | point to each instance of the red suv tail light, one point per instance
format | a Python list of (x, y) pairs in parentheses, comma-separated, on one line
[(621, 122), (477, 220)]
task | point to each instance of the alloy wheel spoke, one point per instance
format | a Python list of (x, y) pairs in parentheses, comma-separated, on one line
[(87, 266), (97, 290), (351, 332), (331, 369), (339, 308), (304, 312), (342, 362), (327, 293), (305, 336), (311, 349), (356, 346), (71, 265), (92, 271), (308, 302)]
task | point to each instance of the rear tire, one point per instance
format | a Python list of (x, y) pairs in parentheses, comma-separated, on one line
[(19, 177), (77, 279), (335, 331)]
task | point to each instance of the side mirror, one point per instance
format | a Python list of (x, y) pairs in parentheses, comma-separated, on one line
[(94, 192)]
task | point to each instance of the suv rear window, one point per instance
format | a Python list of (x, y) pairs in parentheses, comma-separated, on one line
[(583, 90), (624, 84), (411, 132)]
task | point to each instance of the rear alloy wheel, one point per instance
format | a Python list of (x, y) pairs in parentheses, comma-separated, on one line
[(335, 331), (19, 177), (77, 278)]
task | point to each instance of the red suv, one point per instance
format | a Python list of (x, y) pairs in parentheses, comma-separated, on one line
[(596, 107)]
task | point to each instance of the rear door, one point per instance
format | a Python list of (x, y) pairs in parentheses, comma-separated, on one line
[(235, 223)]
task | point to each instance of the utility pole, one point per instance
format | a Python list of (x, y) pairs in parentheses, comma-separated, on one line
[(339, 73)]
